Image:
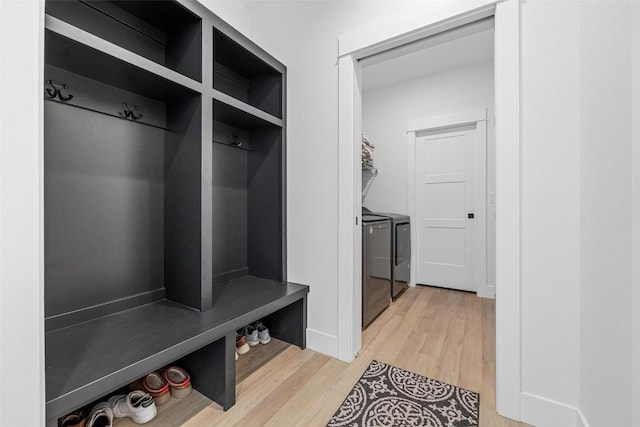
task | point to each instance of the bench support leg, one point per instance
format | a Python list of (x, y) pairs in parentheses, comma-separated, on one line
[(213, 370), (290, 323)]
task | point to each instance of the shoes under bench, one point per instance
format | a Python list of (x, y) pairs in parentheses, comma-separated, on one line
[(139, 405)]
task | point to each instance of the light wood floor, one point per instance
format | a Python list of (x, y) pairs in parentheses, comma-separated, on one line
[(443, 334)]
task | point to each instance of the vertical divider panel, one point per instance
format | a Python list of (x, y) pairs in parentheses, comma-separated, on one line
[(265, 205), (206, 165), (213, 370), (183, 190)]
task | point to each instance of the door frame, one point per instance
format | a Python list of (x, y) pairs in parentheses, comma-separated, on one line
[(376, 39), (479, 240)]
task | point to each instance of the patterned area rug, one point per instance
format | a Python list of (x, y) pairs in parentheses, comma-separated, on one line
[(389, 396)]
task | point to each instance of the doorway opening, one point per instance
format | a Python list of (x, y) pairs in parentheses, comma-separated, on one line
[(354, 47), (428, 109)]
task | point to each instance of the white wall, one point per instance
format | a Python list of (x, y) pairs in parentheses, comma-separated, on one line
[(550, 218), (21, 289), (605, 213), (385, 113), (235, 13)]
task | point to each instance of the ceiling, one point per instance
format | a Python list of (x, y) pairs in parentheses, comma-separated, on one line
[(457, 48)]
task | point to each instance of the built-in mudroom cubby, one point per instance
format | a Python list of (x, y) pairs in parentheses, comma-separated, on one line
[(164, 201), (247, 196)]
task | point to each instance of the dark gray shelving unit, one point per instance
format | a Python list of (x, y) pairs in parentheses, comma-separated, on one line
[(238, 72), (161, 31), (165, 200)]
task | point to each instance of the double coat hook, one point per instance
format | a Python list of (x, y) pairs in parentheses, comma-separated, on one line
[(55, 91), (129, 112)]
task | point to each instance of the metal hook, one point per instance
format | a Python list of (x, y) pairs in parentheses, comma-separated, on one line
[(55, 91), (129, 112), (233, 140)]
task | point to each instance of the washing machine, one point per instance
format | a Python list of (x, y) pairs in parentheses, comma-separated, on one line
[(376, 266), (400, 248)]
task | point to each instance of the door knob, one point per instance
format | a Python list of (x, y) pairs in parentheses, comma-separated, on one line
[(470, 215)]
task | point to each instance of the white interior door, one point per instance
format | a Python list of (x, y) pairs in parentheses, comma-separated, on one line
[(445, 207)]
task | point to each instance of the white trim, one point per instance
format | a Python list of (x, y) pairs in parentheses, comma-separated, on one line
[(635, 207), (455, 120), (542, 412), (22, 368), (447, 120), (321, 342), (375, 39), (349, 212), (582, 420), (507, 118), (480, 208), (365, 42), (413, 208)]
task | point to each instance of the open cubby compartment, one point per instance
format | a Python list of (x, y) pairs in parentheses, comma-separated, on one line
[(164, 32), (247, 197), (122, 197), (241, 74)]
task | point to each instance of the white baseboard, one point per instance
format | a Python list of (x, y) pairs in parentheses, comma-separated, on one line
[(323, 343), (543, 412)]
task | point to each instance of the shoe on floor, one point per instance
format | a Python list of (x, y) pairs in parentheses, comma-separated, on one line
[(157, 387), (241, 344), (252, 335), (74, 419), (137, 405), (101, 415), (263, 333), (179, 381)]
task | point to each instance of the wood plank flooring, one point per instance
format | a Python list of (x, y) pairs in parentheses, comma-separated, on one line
[(443, 334)]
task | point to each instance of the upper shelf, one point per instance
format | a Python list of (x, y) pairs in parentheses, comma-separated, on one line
[(82, 53), (163, 32), (236, 113), (241, 74)]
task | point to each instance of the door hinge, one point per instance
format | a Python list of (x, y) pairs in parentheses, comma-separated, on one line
[(356, 220)]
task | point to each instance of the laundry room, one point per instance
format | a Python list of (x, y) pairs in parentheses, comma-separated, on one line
[(428, 161)]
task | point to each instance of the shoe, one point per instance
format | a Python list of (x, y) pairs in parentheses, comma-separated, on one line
[(179, 381), (241, 344), (263, 333), (137, 405), (157, 387), (74, 419), (101, 415), (252, 335)]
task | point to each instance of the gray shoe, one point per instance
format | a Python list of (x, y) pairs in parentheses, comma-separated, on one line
[(252, 335), (263, 333)]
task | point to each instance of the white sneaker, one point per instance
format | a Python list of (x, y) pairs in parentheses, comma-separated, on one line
[(101, 415), (137, 405)]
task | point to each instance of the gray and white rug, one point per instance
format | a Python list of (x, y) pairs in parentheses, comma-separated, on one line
[(389, 396)]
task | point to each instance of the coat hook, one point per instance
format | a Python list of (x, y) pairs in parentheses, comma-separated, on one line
[(129, 112), (55, 91), (233, 140)]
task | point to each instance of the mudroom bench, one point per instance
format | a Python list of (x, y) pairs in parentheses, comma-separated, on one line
[(91, 359)]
